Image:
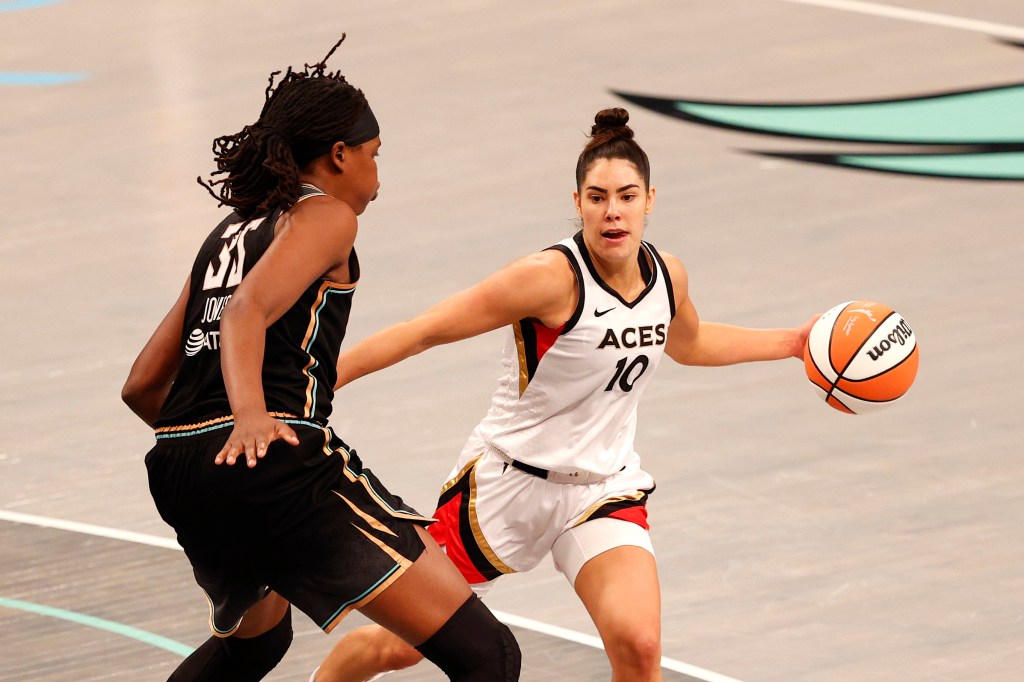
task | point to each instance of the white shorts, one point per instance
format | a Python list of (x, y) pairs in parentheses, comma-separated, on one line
[(494, 519)]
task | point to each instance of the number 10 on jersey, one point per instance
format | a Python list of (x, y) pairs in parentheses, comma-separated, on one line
[(627, 375)]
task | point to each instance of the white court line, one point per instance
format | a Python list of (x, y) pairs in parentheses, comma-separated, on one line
[(595, 642), (922, 17), (89, 529), (506, 618)]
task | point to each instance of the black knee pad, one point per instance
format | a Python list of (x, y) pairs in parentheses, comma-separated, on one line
[(474, 646), (232, 659)]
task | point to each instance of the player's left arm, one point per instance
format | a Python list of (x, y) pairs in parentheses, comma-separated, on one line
[(692, 341), (149, 381)]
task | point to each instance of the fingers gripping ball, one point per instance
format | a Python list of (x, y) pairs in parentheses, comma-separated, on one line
[(861, 356)]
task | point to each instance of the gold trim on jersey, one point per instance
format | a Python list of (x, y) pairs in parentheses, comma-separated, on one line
[(637, 496), (213, 622), (318, 193), (326, 287), (458, 477), (524, 370), (214, 422)]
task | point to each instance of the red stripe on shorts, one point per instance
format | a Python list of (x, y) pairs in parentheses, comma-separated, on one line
[(637, 515), (446, 533)]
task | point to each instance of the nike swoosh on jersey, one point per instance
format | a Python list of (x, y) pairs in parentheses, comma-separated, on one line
[(599, 313)]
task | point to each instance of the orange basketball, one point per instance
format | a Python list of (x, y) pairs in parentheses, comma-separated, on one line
[(861, 356)]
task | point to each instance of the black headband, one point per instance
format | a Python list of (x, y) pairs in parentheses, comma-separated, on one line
[(363, 130)]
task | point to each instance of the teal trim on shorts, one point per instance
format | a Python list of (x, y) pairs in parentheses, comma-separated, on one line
[(224, 425), (362, 596)]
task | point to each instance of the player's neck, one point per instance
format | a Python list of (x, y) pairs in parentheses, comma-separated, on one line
[(623, 276)]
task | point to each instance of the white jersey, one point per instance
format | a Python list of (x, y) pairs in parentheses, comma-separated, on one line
[(568, 397)]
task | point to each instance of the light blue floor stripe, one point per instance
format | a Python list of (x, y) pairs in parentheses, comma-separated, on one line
[(15, 5), (100, 624), (40, 78)]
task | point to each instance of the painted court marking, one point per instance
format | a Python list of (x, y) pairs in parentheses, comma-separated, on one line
[(164, 643), (143, 636), (919, 16), (40, 77), (15, 5)]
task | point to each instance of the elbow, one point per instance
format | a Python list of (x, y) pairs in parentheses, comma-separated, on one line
[(144, 396), (133, 394), (684, 356)]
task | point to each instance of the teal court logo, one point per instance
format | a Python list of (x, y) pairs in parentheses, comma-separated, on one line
[(970, 134)]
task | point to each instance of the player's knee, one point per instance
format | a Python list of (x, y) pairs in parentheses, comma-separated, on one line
[(635, 649), (384, 650), (397, 655), (233, 658), (474, 646)]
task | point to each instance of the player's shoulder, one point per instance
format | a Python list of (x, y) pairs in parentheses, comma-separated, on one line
[(676, 272), (540, 275), (322, 216), (323, 207), (671, 259), (550, 264), (672, 262)]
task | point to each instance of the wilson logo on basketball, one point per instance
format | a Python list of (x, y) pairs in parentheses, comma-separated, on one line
[(900, 335)]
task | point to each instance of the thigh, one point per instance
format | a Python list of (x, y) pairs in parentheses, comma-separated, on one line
[(419, 602), (577, 546), (339, 538), (620, 590), (263, 616)]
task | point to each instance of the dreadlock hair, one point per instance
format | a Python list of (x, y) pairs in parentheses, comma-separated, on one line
[(304, 114), (611, 138)]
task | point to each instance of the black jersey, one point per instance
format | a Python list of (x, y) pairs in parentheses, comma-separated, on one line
[(302, 347)]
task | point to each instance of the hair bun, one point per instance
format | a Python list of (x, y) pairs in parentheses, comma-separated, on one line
[(612, 121)]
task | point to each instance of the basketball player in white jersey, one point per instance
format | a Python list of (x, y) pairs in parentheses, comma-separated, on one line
[(552, 468)]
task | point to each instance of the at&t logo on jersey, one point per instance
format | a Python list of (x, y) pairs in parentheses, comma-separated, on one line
[(198, 340), (201, 339)]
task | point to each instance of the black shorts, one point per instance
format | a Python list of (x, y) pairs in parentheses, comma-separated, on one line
[(308, 522)]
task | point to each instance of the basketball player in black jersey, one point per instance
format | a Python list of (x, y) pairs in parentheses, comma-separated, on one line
[(243, 367)]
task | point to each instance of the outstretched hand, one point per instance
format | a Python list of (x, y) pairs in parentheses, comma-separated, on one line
[(251, 437), (802, 332)]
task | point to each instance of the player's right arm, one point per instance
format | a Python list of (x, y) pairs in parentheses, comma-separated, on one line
[(540, 286), (149, 381), (312, 240)]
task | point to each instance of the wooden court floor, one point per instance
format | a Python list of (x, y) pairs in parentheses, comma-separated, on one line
[(794, 543)]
